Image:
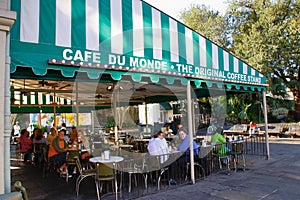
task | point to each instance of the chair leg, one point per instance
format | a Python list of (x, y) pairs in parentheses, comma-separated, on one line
[(97, 189), (129, 187)]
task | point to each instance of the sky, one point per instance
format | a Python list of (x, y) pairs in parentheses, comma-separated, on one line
[(174, 7)]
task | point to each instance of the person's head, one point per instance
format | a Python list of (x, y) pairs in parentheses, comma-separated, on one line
[(61, 134), (182, 133), (38, 134), (53, 131), (17, 123), (158, 134), (179, 125), (24, 132)]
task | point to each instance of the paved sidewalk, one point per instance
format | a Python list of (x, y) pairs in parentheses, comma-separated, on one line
[(277, 178)]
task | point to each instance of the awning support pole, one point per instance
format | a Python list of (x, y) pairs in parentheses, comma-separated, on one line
[(190, 129), (266, 124)]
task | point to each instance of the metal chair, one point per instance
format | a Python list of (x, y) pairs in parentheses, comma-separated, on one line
[(72, 156), (136, 165), (104, 172), (83, 173), (237, 151), (221, 154)]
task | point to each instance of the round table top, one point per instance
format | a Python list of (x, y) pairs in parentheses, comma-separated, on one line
[(111, 159)]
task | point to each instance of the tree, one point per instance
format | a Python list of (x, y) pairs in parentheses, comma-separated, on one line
[(207, 22), (266, 33)]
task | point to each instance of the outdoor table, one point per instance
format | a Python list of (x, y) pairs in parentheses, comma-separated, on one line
[(141, 144), (112, 159)]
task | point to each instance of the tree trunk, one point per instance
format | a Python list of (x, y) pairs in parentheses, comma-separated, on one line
[(297, 105)]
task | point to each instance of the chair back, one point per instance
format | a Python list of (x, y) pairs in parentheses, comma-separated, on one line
[(73, 155), (79, 166), (104, 171), (237, 148)]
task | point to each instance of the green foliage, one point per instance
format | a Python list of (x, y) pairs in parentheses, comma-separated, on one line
[(207, 22), (110, 122), (266, 34)]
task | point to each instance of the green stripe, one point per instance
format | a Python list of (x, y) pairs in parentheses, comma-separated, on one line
[(36, 98), (43, 99), (47, 24), (28, 98), (221, 58), (127, 27), (15, 31), (181, 43), (165, 32), (196, 48), (241, 70), (148, 36), (231, 63), (78, 24), (104, 26), (208, 53)]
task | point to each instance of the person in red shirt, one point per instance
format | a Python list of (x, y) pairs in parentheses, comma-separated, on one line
[(252, 129), (25, 145)]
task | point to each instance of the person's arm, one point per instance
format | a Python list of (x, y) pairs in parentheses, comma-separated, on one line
[(221, 139), (56, 146)]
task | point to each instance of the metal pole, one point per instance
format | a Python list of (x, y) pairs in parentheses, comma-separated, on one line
[(77, 104), (190, 129), (266, 124), (54, 108)]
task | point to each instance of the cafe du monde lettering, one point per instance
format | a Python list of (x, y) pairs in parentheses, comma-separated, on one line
[(96, 59)]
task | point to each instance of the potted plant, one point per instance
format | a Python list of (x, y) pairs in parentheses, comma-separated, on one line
[(109, 124)]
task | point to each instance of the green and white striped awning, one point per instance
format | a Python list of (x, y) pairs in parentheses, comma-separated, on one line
[(119, 37)]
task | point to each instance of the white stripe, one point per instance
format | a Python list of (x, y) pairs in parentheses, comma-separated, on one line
[(32, 98), (61, 101), (92, 25), (68, 101), (116, 26), (29, 21), (202, 51), (40, 98), (252, 72), (63, 23), (174, 49), (157, 36), (215, 57), (226, 60), (138, 31), (245, 69), (48, 99), (235, 65), (24, 99), (189, 46)]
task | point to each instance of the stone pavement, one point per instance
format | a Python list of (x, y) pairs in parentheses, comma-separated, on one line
[(276, 178)]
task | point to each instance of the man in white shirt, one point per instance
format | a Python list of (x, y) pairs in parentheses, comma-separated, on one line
[(158, 146)]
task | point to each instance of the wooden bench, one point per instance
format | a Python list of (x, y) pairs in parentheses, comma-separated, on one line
[(294, 130), (238, 129), (273, 129)]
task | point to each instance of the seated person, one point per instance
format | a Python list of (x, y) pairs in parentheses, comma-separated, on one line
[(252, 129), (217, 137), (158, 144), (58, 151), (40, 144), (25, 145), (168, 132), (39, 138), (52, 135), (185, 142), (73, 135)]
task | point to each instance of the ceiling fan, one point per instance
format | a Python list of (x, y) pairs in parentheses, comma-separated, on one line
[(100, 96), (140, 89)]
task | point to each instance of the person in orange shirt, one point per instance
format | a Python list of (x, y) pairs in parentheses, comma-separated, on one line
[(58, 151)]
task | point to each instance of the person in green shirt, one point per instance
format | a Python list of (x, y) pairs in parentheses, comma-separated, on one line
[(217, 137)]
